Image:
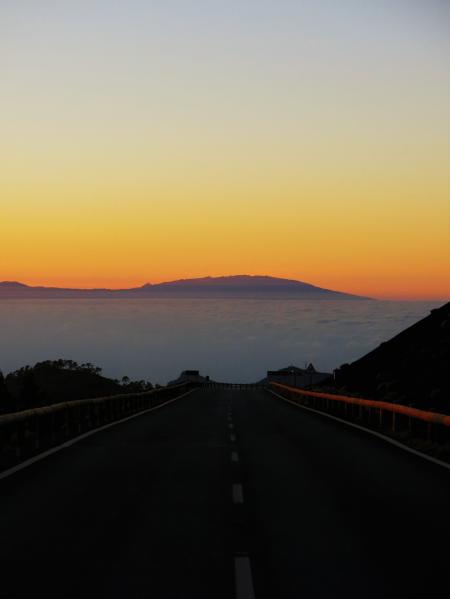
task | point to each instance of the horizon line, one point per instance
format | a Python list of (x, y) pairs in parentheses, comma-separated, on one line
[(386, 296)]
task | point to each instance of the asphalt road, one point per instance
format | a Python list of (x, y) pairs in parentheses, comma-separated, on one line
[(226, 494)]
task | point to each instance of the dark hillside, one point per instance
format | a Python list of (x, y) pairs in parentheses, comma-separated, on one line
[(411, 368), (58, 381)]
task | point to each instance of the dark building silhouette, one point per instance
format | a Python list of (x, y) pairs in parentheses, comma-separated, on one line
[(189, 376), (297, 377)]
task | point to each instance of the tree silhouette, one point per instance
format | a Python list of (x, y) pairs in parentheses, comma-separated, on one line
[(30, 395), (5, 397), (53, 381)]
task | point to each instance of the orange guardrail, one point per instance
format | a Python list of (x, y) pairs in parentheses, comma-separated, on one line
[(430, 417), (26, 433)]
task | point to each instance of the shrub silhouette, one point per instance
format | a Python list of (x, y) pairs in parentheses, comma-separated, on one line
[(54, 381)]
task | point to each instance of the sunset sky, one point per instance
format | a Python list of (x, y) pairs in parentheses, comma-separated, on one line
[(154, 140)]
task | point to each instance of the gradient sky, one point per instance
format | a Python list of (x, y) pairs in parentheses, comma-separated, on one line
[(152, 140)]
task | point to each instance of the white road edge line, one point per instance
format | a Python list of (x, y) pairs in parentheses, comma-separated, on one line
[(234, 456), (368, 430), (243, 577), (238, 493), (49, 452)]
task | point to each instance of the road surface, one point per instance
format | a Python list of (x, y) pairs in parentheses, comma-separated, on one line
[(222, 494)]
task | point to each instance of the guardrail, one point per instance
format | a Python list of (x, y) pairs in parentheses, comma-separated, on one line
[(29, 432), (240, 386), (394, 419)]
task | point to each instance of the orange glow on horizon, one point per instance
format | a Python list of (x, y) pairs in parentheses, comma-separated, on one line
[(145, 145)]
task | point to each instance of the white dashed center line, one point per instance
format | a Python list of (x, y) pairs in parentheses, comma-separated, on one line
[(238, 493), (234, 456), (243, 577)]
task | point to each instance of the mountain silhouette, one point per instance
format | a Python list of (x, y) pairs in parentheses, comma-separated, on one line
[(237, 286), (411, 368)]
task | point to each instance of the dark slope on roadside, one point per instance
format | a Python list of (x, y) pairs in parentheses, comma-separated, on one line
[(411, 368)]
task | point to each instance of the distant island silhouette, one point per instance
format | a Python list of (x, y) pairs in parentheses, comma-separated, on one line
[(237, 286)]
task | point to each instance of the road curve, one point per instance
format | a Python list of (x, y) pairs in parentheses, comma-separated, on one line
[(222, 494)]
